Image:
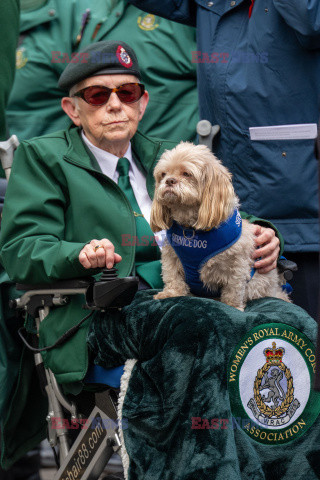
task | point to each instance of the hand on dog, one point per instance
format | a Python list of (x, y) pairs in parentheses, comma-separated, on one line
[(269, 249), (104, 256)]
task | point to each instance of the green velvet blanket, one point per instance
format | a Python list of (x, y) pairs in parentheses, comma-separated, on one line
[(215, 393)]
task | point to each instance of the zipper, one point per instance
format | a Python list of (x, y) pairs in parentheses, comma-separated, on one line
[(152, 168)]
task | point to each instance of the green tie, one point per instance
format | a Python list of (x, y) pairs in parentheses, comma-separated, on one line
[(123, 167), (147, 253)]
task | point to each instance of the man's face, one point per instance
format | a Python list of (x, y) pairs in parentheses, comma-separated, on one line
[(110, 126)]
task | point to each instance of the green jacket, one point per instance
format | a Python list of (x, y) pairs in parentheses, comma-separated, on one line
[(56, 202), (49, 37)]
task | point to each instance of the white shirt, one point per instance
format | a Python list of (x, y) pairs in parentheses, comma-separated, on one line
[(108, 164)]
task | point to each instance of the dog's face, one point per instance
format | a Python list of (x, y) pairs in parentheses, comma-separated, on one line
[(192, 179), (178, 180)]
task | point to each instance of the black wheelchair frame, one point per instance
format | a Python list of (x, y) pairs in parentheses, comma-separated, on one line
[(88, 452)]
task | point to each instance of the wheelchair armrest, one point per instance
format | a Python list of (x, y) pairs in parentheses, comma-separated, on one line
[(60, 285), (286, 267), (108, 292)]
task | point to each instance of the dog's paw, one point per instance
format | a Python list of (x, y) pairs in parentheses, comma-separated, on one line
[(240, 308), (165, 294)]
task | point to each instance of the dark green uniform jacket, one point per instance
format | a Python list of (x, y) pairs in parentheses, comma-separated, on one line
[(60, 203), (56, 202)]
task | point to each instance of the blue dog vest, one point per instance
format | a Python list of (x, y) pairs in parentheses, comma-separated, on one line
[(195, 247)]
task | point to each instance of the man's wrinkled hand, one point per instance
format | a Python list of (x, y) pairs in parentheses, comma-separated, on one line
[(268, 249), (99, 254)]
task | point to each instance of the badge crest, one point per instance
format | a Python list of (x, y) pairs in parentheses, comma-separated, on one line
[(148, 22), (273, 390), (21, 58), (270, 378), (123, 57)]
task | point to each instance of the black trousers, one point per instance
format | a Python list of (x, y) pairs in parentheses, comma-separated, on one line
[(305, 282)]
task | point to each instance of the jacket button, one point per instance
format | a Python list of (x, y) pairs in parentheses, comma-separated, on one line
[(52, 13), (210, 4), (284, 154), (266, 10), (232, 3)]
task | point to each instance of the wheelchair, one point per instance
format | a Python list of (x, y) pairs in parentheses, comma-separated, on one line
[(86, 434)]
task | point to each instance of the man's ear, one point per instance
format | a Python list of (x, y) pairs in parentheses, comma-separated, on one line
[(143, 104), (69, 107)]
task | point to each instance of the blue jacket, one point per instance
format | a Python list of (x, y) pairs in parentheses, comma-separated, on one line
[(263, 70)]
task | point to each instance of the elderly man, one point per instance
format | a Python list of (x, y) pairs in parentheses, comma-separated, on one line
[(79, 200)]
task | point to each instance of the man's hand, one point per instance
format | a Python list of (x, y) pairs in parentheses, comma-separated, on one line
[(99, 254), (269, 249)]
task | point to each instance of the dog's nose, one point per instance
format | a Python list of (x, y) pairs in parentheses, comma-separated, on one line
[(171, 181)]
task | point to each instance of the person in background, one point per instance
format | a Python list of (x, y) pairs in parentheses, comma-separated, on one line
[(259, 65), (52, 32)]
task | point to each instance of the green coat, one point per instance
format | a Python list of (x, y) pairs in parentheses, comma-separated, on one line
[(164, 50), (56, 202), (60, 203)]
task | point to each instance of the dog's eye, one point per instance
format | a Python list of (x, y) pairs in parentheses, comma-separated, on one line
[(186, 174), (163, 174)]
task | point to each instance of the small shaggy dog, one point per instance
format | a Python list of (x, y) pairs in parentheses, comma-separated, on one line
[(209, 248)]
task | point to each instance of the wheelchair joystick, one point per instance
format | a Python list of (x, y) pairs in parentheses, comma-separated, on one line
[(109, 274), (111, 291)]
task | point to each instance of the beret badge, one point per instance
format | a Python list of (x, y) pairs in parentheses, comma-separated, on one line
[(123, 57)]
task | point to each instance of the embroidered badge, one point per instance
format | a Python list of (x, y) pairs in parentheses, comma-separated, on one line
[(123, 57), (148, 22), (270, 377), (21, 58)]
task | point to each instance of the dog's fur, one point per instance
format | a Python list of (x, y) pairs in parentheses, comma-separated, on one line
[(195, 189)]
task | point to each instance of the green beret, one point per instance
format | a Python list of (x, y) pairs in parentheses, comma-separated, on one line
[(100, 58)]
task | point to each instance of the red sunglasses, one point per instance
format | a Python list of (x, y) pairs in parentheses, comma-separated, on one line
[(98, 95)]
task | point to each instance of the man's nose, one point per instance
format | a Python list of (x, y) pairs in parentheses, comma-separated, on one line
[(171, 181), (114, 101)]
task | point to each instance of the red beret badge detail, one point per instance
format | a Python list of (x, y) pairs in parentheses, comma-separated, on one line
[(123, 57)]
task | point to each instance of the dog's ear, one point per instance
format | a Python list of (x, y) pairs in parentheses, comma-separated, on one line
[(160, 218), (217, 196)]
